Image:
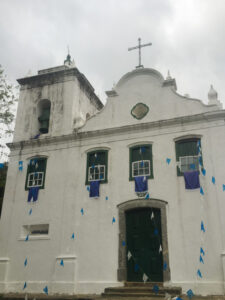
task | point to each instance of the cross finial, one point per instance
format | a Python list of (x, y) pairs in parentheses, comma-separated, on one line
[(139, 47)]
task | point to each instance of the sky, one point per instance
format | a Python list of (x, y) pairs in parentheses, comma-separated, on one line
[(187, 38)]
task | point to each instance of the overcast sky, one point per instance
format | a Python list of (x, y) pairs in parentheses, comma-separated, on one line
[(188, 38)]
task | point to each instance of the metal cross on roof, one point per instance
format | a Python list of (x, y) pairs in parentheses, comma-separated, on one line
[(139, 47)]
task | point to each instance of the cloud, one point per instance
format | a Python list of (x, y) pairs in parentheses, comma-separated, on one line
[(187, 37)]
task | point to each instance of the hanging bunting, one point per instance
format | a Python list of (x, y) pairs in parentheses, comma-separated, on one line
[(200, 161), (191, 180), (1, 165), (199, 273), (27, 238), (201, 191), (30, 211), (190, 294), (106, 198), (156, 232), (141, 185), (192, 166), (45, 290), (160, 249), (147, 196), (201, 259), (62, 263), (152, 215), (202, 251), (129, 255), (203, 171), (142, 150), (96, 155), (223, 187), (168, 160), (142, 164), (72, 237), (25, 262), (165, 266), (123, 243), (33, 193), (88, 188), (213, 180), (94, 189), (113, 220), (82, 211), (155, 289), (202, 226), (145, 277), (136, 267), (20, 165), (25, 285)]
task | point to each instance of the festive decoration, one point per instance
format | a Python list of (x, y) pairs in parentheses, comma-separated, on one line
[(202, 226), (45, 290), (201, 191), (201, 259), (20, 165), (1, 165), (147, 196), (202, 251), (129, 255), (88, 188), (113, 220), (30, 211), (168, 160), (136, 268), (145, 277), (25, 285), (82, 211), (213, 180), (94, 189), (203, 171), (106, 198), (72, 237), (62, 263), (191, 180), (141, 185), (200, 161), (199, 273), (156, 232), (165, 266), (190, 294), (25, 262), (123, 243), (155, 289), (192, 166), (223, 187), (152, 215), (27, 238), (33, 193), (160, 248)]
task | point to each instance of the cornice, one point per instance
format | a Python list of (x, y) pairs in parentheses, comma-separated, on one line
[(204, 117)]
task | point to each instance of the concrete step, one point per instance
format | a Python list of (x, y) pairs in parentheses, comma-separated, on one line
[(132, 295), (142, 284), (145, 289)]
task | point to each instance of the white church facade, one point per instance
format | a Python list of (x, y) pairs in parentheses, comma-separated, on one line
[(74, 219)]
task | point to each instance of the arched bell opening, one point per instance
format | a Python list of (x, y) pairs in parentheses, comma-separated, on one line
[(44, 109)]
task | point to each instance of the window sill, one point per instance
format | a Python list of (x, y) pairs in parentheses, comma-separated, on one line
[(34, 238)]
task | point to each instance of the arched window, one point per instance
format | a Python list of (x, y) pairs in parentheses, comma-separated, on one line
[(44, 108)]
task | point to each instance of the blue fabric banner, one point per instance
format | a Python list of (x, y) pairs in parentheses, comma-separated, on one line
[(94, 189), (141, 184), (33, 193), (191, 180)]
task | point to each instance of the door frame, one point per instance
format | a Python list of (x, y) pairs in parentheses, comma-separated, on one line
[(141, 203)]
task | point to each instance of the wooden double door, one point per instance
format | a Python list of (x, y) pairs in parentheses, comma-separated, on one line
[(144, 245)]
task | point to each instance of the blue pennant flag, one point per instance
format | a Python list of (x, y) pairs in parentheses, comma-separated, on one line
[(25, 285), (190, 294), (203, 171), (213, 180), (136, 267), (93, 166), (27, 238), (45, 290), (155, 289), (165, 266), (106, 198), (192, 166), (62, 263), (202, 251), (223, 187), (25, 262), (30, 211), (199, 273), (156, 232), (202, 226), (82, 211), (142, 149), (113, 220), (20, 162), (20, 168), (147, 196), (201, 259), (142, 164), (72, 237), (201, 191), (88, 188), (179, 298), (123, 243), (168, 160), (1, 165)]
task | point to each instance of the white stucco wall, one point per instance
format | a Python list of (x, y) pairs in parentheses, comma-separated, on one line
[(91, 259)]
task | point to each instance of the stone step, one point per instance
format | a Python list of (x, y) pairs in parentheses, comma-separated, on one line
[(131, 295), (141, 284), (144, 289)]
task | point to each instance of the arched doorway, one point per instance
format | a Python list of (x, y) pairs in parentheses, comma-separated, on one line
[(143, 245)]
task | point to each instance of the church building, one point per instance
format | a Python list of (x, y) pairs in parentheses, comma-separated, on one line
[(103, 196)]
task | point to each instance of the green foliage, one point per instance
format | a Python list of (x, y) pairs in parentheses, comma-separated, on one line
[(8, 101)]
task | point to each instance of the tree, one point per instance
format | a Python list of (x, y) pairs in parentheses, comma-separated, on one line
[(8, 104)]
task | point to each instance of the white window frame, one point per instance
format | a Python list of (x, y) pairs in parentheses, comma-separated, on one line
[(96, 179), (33, 174), (138, 162), (186, 158)]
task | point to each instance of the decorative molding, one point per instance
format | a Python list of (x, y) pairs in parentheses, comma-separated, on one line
[(139, 106), (218, 115)]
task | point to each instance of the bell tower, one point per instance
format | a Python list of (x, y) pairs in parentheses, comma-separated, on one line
[(54, 102)]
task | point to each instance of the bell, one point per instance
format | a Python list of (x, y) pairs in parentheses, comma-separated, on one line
[(44, 120)]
